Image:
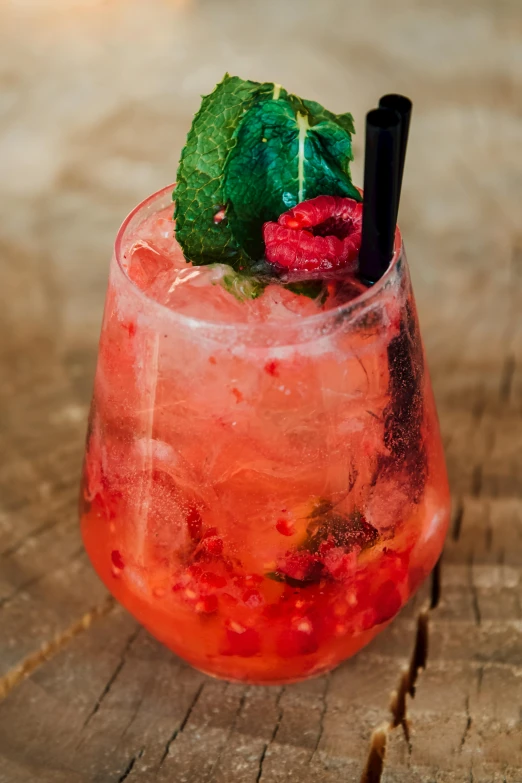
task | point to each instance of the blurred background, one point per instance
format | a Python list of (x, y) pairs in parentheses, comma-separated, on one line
[(97, 96)]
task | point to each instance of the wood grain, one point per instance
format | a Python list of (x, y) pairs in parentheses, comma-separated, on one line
[(96, 98)]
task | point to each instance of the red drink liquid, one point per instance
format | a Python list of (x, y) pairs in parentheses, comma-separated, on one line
[(264, 483)]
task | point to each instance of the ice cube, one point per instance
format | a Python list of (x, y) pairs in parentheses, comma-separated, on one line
[(145, 263)]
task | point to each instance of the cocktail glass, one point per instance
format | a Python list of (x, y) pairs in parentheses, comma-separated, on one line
[(262, 493)]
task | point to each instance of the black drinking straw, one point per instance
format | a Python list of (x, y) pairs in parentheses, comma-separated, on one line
[(402, 105), (381, 187)]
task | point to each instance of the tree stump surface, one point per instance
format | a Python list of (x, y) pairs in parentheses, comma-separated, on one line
[(96, 101)]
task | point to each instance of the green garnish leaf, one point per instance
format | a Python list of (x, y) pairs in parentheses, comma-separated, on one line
[(243, 286), (199, 193), (344, 530), (282, 157), (318, 113), (313, 289)]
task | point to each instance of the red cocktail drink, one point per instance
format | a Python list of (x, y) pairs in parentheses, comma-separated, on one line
[(264, 483)]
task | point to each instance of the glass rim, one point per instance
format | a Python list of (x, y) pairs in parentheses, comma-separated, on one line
[(315, 320)]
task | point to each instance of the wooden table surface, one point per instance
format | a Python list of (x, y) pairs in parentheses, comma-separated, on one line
[(96, 98)]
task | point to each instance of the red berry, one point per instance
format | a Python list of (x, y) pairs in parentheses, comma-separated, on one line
[(213, 580), (117, 559), (214, 545), (285, 527), (302, 566), (207, 604), (323, 233), (246, 644), (294, 642)]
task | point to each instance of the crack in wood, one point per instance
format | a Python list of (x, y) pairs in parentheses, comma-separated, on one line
[(61, 513), (467, 727), (112, 679), (241, 704), (20, 589), (408, 679), (506, 378), (273, 736), (130, 766), (480, 677), (478, 409), (435, 588), (474, 594), (420, 650), (372, 772), (183, 723), (261, 761), (374, 766), (49, 649), (456, 525), (476, 480), (324, 707)]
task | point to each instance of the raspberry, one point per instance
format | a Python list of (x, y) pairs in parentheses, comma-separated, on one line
[(296, 642), (211, 543), (213, 580), (244, 642), (301, 568), (322, 234), (214, 545), (285, 527), (207, 604)]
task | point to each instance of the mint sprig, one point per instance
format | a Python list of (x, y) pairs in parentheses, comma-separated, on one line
[(199, 193), (253, 152)]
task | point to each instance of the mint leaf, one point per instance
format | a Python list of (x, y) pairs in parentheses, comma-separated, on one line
[(318, 113), (283, 156), (243, 286), (313, 289), (199, 193)]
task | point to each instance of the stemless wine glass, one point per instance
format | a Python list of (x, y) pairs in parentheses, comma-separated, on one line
[(263, 497)]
